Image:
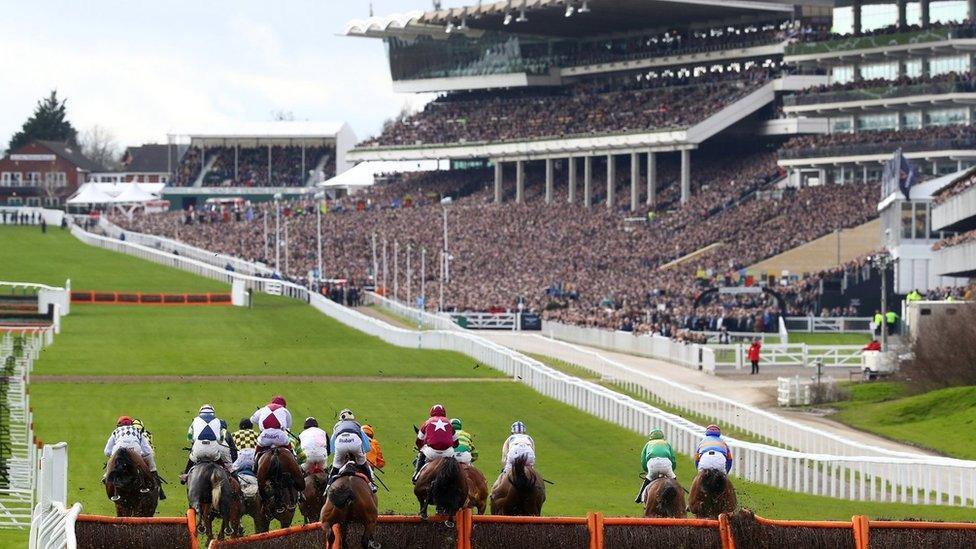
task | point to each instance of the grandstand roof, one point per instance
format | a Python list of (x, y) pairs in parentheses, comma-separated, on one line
[(548, 17), (265, 132)]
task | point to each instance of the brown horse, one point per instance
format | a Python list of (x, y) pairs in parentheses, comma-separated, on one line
[(664, 498), (350, 500), (314, 496), (477, 488), (521, 491), (212, 492), (712, 494), (442, 483), (279, 482), (130, 485)]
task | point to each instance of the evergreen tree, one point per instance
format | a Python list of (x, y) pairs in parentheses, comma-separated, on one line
[(48, 123)]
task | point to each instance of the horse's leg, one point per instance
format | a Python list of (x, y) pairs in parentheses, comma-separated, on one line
[(329, 535), (369, 530)]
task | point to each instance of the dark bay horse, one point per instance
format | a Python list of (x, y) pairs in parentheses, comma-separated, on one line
[(442, 483), (350, 501), (212, 492), (130, 485), (521, 491), (477, 488), (664, 498), (712, 494), (314, 496), (279, 482)]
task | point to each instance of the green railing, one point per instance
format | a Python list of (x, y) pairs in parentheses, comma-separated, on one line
[(854, 43)]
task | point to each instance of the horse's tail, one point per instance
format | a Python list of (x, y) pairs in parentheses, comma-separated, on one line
[(714, 481), (668, 495), (447, 486), (220, 490), (521, 480), (341, 495), (121, 462)]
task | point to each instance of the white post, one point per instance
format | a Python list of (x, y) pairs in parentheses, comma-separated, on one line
[(447, 253), (423, 277), (587, 181), (386, 270), (498, 181), (651, 178), (440, 302), (571, 165), (277, 236), (266, 254), (519, 181), (634, 176), (549, 169), (611, 180), (685, 175), (396, 270), (318, 219), (286, 246), (375, 265), (409, 277)]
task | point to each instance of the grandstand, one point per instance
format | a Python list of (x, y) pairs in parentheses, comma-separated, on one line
[(256, 161)]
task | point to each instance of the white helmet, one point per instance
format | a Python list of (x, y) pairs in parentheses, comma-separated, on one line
[(518, 428), (346, 415)]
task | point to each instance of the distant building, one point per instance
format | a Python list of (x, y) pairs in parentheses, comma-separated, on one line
[(43, 173), (145, 164)]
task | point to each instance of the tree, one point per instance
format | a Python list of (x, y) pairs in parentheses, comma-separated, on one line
[(49, 122), (98, 144), (282, 115)]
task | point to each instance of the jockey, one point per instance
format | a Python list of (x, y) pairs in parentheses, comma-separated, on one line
[(350, 444), (465, 452), (435, 438), (146, 434), (375, 455), (657, 459), (209, 441), (245, 438), (128, 436), (518, 444), (315, 443), (274, 422), (712, 452)]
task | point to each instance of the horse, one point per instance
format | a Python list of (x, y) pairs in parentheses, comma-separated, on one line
[(350, 500), (277, 488), (712, 494), (212, 492), (664, 498), (442, 483), (314, 496), (249, 490), (477, 488), (521, 491), (130, 485)]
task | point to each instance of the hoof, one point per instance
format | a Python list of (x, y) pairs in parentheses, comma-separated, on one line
[(374, 544)]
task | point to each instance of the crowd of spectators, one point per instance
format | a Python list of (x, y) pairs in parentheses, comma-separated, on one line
[(961, 238), (959, 82), (953, 136), (592, 268), (287, 169), (823, 33), (594, 107), (955, 188)]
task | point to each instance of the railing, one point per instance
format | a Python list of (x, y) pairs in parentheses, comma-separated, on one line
[(45, 294), (692, 355), (425, 319), (486, 321), (791, 354), (854, 149), (52, 523), (855, 471), (814, 324), (891, 91)]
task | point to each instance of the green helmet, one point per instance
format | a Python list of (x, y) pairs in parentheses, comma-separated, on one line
[(656, 434), (456, 423)]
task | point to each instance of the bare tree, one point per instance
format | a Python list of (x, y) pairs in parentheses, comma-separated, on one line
[(100, 145), (944, 352), (283, 116)]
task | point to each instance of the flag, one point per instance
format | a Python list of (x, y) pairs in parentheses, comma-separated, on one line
[(324, 207), (906, 176)]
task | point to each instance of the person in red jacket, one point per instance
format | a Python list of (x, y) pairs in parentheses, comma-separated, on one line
[(754, 355), (435, 438), (875, 345)]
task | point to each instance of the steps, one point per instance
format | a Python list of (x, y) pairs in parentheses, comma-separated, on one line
[(821, 253), (198, 182), (310, 178)]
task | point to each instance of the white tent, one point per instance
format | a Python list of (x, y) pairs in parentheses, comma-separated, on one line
[(364, 174), (132, 193), (89, 194)]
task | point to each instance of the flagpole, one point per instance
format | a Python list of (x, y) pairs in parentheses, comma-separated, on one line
[(277, 235), (319, 221), (423, 277), (267, 256), (376, 277), (409, 277), (286, 246), (396, 270), (386, 270)]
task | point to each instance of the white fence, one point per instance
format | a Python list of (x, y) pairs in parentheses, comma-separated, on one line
[(792, 354), (424, 319), (692, 355), (53, 524), (45, 294), (854, 471), (828, 325), (487, 321)]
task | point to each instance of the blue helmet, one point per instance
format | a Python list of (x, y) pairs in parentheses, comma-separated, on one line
[(518, 428)]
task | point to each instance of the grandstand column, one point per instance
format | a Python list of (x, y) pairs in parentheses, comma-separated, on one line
[(498, 181), (611, 180), (634, 176), (237, 151), (269, 164), (651, 178), (856, 8), (971, 4), (519, 181), (549, 181), (685, 175), (587, 181), (902, 14), (924, 4), (571, 194), (303, 172)]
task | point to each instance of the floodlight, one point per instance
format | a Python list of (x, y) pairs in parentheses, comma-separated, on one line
[(464, 24), (522, 18), (450, 27), (508, 18), (569, 10), (585, 8)]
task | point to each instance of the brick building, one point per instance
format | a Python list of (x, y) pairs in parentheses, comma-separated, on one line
[(43, 173)]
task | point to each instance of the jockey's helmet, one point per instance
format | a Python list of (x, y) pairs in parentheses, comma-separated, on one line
[(310, 422), (518, 428), (207, 410), (346, 415), (368, 429), (245, 424), (437, 410), (456, 423), (137, 423), (279, 400), (123, 420), (713, 430), (656, 434)]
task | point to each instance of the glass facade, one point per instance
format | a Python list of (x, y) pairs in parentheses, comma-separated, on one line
[(878, 16), (946, 117), (458, 55), (882, 121), (944, 65)]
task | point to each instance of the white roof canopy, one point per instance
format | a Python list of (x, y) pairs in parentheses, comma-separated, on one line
[(112, 193), (364, 174)]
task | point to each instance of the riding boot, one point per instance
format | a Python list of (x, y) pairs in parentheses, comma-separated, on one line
[(159, 483), (421, 459), (640, 495), (333, 473), (365, 470)]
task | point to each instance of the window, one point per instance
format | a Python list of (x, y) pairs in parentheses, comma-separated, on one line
[(14, 201), (943, 65), (52, 201), (921, 220), (34, 201), (888, 71), (841, 125), (945, 12), (906, 220), (946, 117), (913, 68), (55, 179), (874, 122), (912, 120), (842, 75), (33, 179), (6, 179)]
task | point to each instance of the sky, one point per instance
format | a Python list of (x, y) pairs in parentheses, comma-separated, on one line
[(144, 69)]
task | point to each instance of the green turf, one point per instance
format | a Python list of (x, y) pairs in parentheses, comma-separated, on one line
[(27, 255), (938, 420), (843, 338), (14, 538)]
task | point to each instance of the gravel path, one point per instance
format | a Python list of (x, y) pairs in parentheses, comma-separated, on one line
[(262, 379)]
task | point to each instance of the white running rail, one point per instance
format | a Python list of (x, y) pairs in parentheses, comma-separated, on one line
[(859, 472), (53, 524)]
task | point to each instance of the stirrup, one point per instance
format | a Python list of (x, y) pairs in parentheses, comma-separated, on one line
[(143, 490), (115, 498)]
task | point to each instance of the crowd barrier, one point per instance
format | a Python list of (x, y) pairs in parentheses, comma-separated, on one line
[(800, 355), (141, 298), (854, 471)]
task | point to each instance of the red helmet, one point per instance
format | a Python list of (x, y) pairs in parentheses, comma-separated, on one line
[(123, 420), (279, 400), (438, 411), (713, 430)]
